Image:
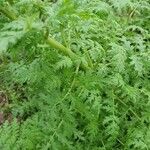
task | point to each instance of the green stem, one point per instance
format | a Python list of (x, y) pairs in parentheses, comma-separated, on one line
[(68, 52), (88, 58), (11, 15), (52, 42)]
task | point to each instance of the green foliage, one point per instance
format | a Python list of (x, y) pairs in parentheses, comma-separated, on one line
[(90, 90)]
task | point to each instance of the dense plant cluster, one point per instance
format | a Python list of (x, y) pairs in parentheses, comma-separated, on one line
[(74, 75)]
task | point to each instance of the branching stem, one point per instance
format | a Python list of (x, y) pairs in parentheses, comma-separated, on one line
[(50, 41)]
